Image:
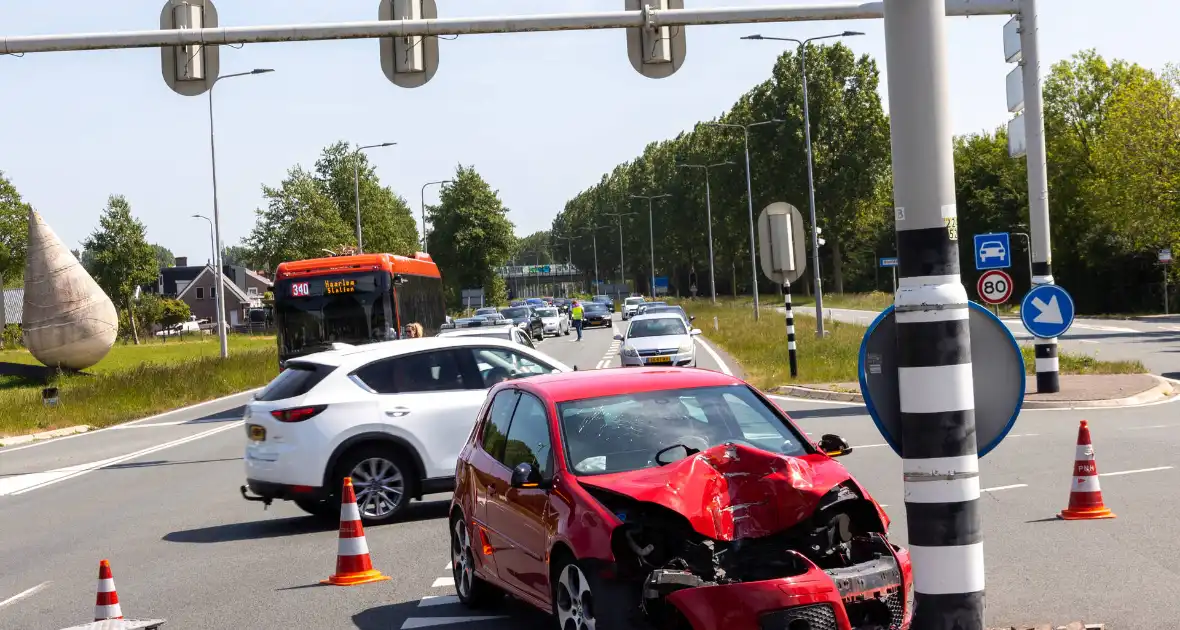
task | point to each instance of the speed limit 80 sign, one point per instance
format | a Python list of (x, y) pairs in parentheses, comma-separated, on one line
[(994, 287)]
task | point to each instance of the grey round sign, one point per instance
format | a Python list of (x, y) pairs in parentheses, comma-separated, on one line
[(996, 362), (781, 246)]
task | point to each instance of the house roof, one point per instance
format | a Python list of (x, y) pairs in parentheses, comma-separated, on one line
[(229, 284), (259, 277)]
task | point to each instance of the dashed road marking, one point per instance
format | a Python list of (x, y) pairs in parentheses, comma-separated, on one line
[(23, 594), (1132, 472), (1009, 487), (435, 601), (443, 581)]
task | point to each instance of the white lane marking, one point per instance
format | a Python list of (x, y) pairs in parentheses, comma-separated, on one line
[(1132, 472), (816, 400), (119, 427), (437, 600), (865, 445), (443, 581), (132, 422), (23, 594), (995, 488), (20, 484), (430, 622), (716, 357), (1152, 426), (448, 567), (1085, 341)]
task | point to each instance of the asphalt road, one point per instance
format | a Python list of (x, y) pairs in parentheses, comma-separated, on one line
[(1153, 341), (184, 546)]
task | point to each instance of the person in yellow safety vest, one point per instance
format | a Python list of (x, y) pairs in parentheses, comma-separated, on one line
[(576, 315)]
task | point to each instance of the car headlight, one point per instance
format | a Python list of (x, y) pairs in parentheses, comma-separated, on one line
[(686, 347), (628, 351)]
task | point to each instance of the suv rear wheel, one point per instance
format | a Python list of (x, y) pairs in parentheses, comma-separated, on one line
[(383, 480)]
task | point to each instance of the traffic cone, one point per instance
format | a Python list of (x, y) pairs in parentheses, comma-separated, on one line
[(353, 565), (106, 604), (1085, 497)]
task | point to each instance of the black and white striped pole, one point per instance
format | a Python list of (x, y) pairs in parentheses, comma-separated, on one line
[(790, 329), (940, 458)]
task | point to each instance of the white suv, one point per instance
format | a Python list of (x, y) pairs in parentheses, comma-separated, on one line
[(391, 415), (631, 306)]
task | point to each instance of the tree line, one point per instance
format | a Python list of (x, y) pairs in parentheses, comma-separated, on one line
[(1111, 129)]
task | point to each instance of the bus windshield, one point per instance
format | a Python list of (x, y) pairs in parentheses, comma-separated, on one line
[(353, 308)]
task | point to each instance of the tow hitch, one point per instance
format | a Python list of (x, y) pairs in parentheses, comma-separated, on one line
[(266, 501)]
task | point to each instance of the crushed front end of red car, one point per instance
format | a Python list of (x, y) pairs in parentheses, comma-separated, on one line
[(738, 538)]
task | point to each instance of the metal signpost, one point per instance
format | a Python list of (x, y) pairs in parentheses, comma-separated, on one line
[(934, 374), (784, 258), (992, 251), (891, 263), (994, 286), (998, 387), (1165, 261)]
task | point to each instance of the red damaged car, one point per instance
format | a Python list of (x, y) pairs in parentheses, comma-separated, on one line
[(667, 498)]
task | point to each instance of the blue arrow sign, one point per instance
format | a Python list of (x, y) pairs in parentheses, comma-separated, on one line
[(1047, 311), (889, 262), (992, 251)]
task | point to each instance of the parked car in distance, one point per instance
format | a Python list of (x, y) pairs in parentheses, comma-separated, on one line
[(505, 331), (646, 305), (670, 308), (555, 322), (631, 306), (562, 304), (595, 314), (607, 300), (526, 317), (658, 339), (593, 496), (393, 416), (487, 310)]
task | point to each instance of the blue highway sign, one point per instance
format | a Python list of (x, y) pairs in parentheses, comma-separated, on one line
[(889, 262), (1047, 311), (992, 251)]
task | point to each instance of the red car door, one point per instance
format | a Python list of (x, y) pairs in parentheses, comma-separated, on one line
[(485, 467), (520, 519)]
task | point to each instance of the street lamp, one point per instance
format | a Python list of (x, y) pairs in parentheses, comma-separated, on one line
[(651, 236), (423, 196), (593, 230), (750, 199), (708, 217), (569, 243), (221, 333), (356, 178), (815, 274), (212, 245), (622, 269)]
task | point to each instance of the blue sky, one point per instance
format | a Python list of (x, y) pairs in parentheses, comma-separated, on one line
[(540, 115)]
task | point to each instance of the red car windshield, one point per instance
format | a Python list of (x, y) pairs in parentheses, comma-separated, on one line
[(624, 432)]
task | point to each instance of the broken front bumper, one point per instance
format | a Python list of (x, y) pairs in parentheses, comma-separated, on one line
[(816, 600)]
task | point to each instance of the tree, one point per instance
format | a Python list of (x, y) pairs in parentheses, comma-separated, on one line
[(240, 255), (299, 222), (123, 259), (386, 219), (534, 249), (14, 236), (149, 310), (164, 256), (470, 233), (173, 312)]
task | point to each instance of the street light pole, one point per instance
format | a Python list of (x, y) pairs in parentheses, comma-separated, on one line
[(709, 218), (593, 230), (569, 243), (815, 274), (212, 245), (651, 235), (222, 337), (423, 196), (750, 201), (622, 268), (356, 175)]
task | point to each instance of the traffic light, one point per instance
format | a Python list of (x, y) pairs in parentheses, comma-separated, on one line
[(408, 61), (189, 70)]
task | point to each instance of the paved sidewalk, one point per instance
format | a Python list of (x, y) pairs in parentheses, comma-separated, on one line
[(1078, 391)]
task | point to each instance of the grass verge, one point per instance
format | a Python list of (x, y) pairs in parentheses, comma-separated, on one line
[(137, 381), (761, 346)]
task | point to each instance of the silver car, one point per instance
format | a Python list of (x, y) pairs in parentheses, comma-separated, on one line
[(658, 339), (555, 322)]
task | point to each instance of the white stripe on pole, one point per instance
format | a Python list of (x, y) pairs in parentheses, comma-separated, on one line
[(936, 389), (1046, 365), (944, 491), (948, 570), (940, 465)]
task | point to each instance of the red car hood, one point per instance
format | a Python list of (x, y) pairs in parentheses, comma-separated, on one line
[(732, 491)]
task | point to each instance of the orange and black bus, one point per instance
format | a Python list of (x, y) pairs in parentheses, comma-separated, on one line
[(354, 300)]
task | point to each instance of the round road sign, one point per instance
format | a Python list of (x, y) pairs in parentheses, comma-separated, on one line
[(994, 287)]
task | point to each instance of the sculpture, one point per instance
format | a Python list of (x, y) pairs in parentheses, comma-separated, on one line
[(68, 322)]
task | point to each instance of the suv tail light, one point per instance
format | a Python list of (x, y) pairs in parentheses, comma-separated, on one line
[(297, 414)]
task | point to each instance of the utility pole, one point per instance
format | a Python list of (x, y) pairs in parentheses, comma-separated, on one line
[(593, 230), (569, 243), (815, 273), (423, 207), (709, 218), (940, 457), (651, 235), (356, 175), (750, 200), (622, 269)]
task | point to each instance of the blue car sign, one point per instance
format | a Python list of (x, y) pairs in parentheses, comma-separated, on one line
[(992, 251)]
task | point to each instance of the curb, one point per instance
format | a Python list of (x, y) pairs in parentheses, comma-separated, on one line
[(45, 435), (1162, 391)]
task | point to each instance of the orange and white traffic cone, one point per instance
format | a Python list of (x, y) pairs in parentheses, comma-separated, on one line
[(106, 604), (1085, 497), (353, 565)]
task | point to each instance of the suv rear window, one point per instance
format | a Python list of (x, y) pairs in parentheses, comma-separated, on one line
[(296, 380)]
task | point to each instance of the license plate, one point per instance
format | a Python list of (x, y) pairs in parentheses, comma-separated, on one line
[(659, 359), (256, 432)]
